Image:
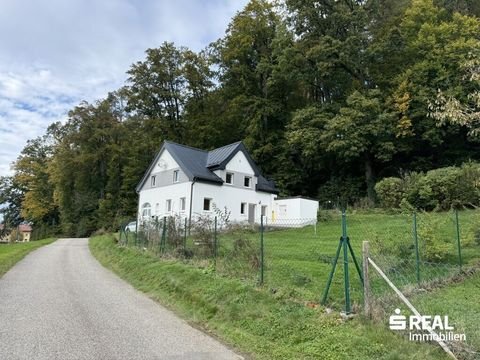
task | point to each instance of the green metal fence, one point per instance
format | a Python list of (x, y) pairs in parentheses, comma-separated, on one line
[(318, 261)]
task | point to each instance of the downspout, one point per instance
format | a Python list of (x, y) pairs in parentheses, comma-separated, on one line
[(191, 205), (137, 216)]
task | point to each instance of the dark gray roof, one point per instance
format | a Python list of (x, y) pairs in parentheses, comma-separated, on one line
[(199, 165), (218, 156), (193, 162), (266, 185)]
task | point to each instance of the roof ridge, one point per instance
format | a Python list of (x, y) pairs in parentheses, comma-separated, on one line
[(185, 146), (224, 146)]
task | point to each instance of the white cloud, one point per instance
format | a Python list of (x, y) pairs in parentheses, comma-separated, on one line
[(56, 53)]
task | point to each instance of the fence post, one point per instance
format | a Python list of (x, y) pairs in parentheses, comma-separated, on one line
[(164, 233), (136, 232), (215, 243), (185, 237), (366, 279), (345, 263), (261, 250), (459, 248), (126, 234), (415, 239)]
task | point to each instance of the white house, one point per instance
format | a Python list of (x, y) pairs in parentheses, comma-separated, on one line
[(189, 182)]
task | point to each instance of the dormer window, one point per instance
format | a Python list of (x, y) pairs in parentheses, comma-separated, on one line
[(229, 178), (176, 176), (154, 180), (247, 181)]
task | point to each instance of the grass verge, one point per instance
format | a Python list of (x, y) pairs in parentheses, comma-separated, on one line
[(460, 302), (10, 254), (252, 319)]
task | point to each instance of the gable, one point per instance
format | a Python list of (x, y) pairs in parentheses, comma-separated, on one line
[(165, 162), (239, 163), (163, 168), (201, 165)]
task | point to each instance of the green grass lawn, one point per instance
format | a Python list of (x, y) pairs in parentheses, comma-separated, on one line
[(298, 261), (255, 320), (461, 303), (10, 254)]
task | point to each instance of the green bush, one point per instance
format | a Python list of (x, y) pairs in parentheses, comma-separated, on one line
[(390, 192), (433, 246), (476, 236), (442, 189), (439, 189)]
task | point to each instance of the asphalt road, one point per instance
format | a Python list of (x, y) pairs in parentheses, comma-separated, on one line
[(60, 303)]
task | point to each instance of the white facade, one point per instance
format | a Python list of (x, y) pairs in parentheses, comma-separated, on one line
[(296, 211), (161, 196), (235, 187)]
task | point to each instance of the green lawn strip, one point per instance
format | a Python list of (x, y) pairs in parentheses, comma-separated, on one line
[(460, 302), (12, 253), (254, 320)]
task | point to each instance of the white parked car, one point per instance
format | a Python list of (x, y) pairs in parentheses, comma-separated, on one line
[(132, 227)]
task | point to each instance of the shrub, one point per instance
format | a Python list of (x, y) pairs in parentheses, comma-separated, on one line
[(442, 189), (476, 236), (324, 215), (439, 189), (203, 233), (175, 231), (435, 246), (390, 192)]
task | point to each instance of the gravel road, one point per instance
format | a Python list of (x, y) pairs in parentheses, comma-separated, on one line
[(60, 303)]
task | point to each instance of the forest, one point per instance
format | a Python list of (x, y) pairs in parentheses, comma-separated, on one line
[(329, 97)]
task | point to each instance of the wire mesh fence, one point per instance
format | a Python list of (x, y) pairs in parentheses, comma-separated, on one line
[(295, 258), (431, 299), (205, 242), (439, 249), (417, 249)]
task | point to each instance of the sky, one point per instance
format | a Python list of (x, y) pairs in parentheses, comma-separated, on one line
[(56, 53)]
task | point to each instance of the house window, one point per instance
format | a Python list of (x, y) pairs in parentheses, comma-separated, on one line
[(264, 210), (157, 209), (229, 178), (169, 205), (243, 208), (176, 176), (247, 181), (206, 204), (154, 180), (182, 204), (146, 210)]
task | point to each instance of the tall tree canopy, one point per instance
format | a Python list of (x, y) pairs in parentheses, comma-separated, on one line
[(329, 96)]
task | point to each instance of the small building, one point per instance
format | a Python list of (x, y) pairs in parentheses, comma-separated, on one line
[(25, 232), (294, 211), (20, 234), (191, 182)]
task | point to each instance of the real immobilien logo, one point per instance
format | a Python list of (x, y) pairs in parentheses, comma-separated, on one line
[(437, 327)]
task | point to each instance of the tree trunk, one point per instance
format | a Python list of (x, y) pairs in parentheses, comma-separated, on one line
[(370, 177)]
